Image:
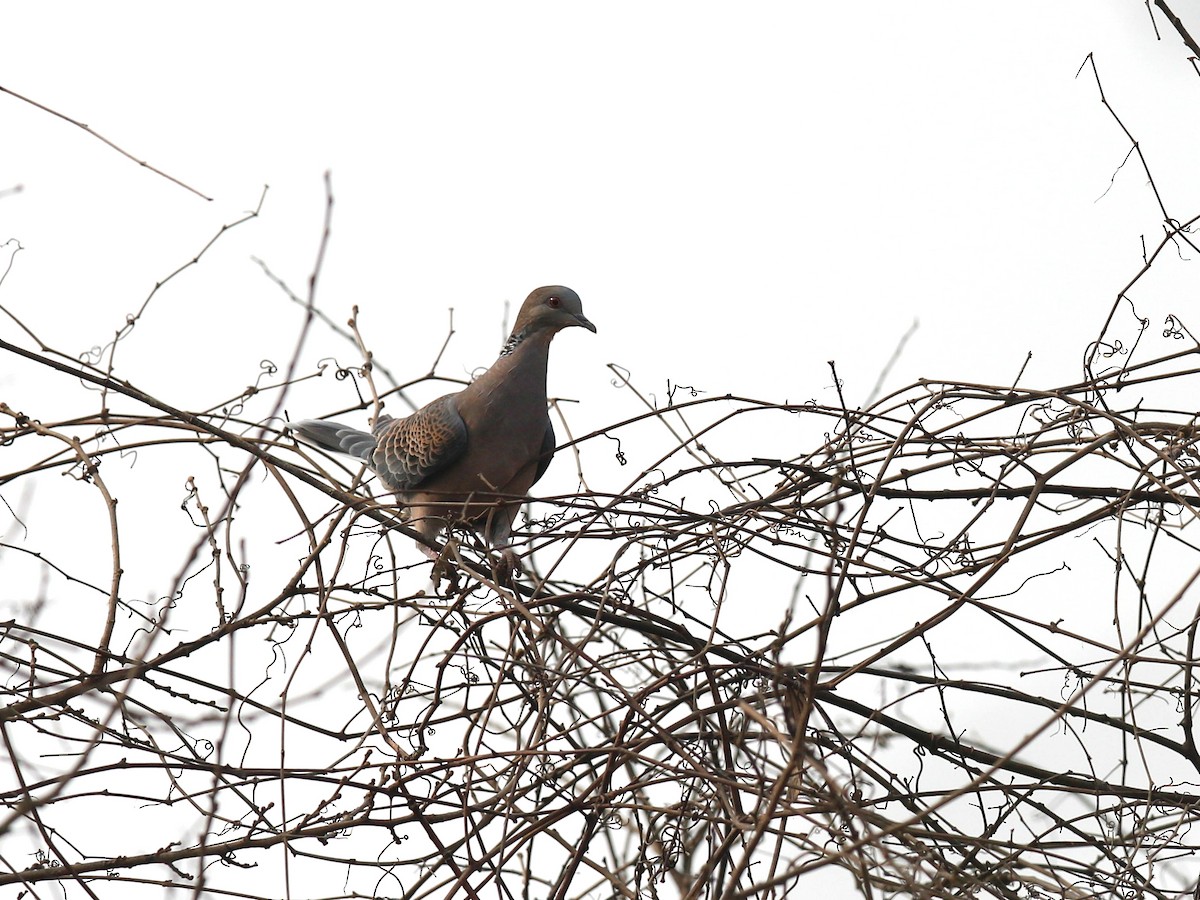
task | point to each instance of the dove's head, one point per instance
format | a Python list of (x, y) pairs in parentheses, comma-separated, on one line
[(554, 307)]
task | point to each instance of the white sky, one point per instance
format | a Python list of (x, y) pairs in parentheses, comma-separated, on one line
[(738, 197), (739, 192)]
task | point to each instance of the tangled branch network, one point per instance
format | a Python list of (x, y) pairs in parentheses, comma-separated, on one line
[(978, 671), (939, 644)]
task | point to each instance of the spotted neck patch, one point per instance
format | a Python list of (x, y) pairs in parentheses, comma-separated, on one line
[(514, 341)]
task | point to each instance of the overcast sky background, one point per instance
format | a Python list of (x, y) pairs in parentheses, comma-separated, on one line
[(739, 193), (738, 197)]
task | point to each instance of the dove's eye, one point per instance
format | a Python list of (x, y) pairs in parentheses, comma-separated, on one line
[(554, 303)]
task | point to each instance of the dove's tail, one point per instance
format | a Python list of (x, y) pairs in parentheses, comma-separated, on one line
[(336, 437)]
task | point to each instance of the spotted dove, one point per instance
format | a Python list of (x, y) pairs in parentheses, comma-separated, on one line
[(470, 456)]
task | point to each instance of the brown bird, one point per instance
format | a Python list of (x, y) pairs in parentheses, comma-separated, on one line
[(470, 456)]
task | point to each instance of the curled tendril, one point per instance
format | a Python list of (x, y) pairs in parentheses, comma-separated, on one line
[(546, 523), (85, 470), (672, 388), (621, 382), (620, 454)]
